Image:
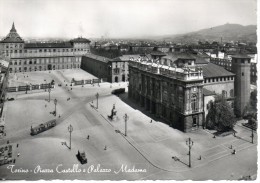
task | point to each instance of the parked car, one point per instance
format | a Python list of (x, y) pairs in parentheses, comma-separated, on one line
[(10, 99), (118, 91), (82, 157)]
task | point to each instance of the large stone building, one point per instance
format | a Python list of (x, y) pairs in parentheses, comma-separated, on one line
[(112, 70), (172, 92), (40, 56), (178, 87)]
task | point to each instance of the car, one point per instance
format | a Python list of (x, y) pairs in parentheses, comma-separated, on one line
[(10, 99), (118, 91), (59, 84), (82, 157)]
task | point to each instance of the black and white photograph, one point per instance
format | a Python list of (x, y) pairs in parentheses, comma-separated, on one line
[(134, 90)]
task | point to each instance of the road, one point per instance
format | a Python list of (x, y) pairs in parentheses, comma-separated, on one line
[(147, 149)]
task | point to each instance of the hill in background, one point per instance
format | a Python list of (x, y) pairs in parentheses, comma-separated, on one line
[(228, 32)]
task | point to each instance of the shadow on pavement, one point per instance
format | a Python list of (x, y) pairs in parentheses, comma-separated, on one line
[(242, 139), (125, 99)]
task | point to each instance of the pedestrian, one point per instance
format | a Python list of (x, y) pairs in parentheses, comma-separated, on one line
[(200, 157), (88, 137), (234, 134), (105, 148), (151, 121), (18, 154), (8, 142), (45, 105), (214, 136), (231, 147), (17, 145), (14, 161), (59, 115)]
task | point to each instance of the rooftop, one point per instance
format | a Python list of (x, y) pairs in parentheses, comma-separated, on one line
[(176, 56), (184, 74), (127, 58), (240, 56), (98, 58), (212, 70), (80, 40), (157, 53), (12, 37), (48, 45)]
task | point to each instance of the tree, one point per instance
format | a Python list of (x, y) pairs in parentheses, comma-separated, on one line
[(221, 116), (250, 111)]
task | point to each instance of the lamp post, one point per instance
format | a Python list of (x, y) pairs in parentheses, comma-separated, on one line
[(55, 103), (126, 117), (97, 95), (189, 143), (70, 129), (45, 84), (26, 89), (49, 90), (252, 135)]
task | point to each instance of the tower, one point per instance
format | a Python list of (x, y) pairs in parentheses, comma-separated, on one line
[(241, 67)]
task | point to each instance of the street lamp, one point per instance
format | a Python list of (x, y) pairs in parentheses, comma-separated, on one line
[(189, 143), (97, 95), (45, 84), (55, 103), (252, 135), (126, 117), (26, 89), (70, 129), (49, 90)]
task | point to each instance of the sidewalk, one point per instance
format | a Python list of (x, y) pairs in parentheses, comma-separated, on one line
[(158, 143)]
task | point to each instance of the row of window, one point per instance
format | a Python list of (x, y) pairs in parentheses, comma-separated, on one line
[(45, 50), (14, 46), (46, 60), (231, 93), (209, 80), (242, 61), (223, 63), (41, 68), (11, 45)]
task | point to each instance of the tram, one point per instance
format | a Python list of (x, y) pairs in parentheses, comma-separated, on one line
[(43, 127)]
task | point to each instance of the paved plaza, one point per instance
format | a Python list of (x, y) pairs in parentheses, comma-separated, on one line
[(148, 146)]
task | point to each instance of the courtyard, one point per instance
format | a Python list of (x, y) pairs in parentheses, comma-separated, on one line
[(148, 146)]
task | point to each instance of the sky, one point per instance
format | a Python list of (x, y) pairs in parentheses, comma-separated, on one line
[(120, 18)]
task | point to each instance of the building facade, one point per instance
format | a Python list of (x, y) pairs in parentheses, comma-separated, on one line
[(4, 74), (113, 70), (172, 93), (40, 56)]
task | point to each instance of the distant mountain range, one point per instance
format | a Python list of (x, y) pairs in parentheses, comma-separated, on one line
[(228, 32)]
